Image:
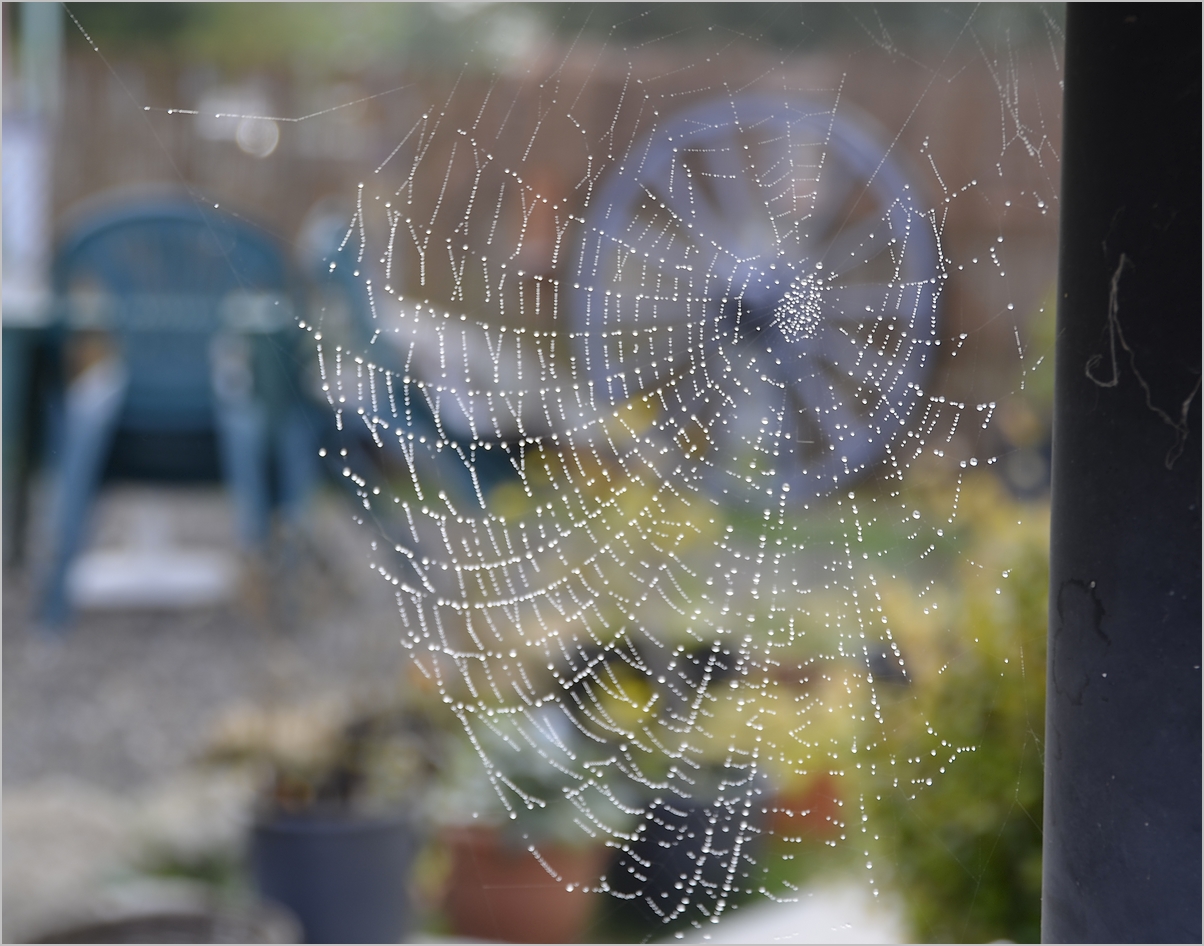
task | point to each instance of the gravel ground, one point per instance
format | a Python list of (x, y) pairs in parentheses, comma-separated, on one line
[(102, 722)]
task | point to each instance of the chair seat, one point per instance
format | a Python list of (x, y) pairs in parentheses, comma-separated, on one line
[(196, 381)]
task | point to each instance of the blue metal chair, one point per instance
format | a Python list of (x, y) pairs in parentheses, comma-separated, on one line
[(194, 306)]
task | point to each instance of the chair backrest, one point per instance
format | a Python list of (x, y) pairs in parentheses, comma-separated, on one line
[(345, 307), (162, 278)]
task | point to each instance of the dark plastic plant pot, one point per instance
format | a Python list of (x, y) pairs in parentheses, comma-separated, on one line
[(344, 876), (680, 863)]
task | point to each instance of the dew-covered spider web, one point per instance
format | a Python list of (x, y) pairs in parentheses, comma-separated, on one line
[(651, 354), (661, 366)]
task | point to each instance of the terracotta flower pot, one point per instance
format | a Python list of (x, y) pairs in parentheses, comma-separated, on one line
[(810, 809), (500, 892)]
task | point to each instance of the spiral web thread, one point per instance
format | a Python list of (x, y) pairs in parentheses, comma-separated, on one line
[(624, 438)]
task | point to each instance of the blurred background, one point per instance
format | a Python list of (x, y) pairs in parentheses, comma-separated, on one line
[(199, 654)]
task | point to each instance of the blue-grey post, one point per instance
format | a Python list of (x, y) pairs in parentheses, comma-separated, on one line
[(1122, 750)]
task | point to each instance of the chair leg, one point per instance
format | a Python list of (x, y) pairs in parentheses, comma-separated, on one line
[(243, 437), (297, 463), (93, 404)]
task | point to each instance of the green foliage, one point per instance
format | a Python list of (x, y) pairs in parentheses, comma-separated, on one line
[(955, 799), (794, 27), (349, 38), (310, 38)]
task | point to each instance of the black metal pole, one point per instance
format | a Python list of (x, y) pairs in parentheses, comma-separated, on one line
[(1122, 752)]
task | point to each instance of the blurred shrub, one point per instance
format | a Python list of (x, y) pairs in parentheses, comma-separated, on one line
[(953, 793)]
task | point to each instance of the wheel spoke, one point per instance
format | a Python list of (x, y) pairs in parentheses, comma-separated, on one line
[(836, 193), (857, 304), (856, 243), (787, 189), (831, 399), (772, 163), (726, 179), (801, 435), (684, 199), (869, 354), (739, 218), (651, 233)]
